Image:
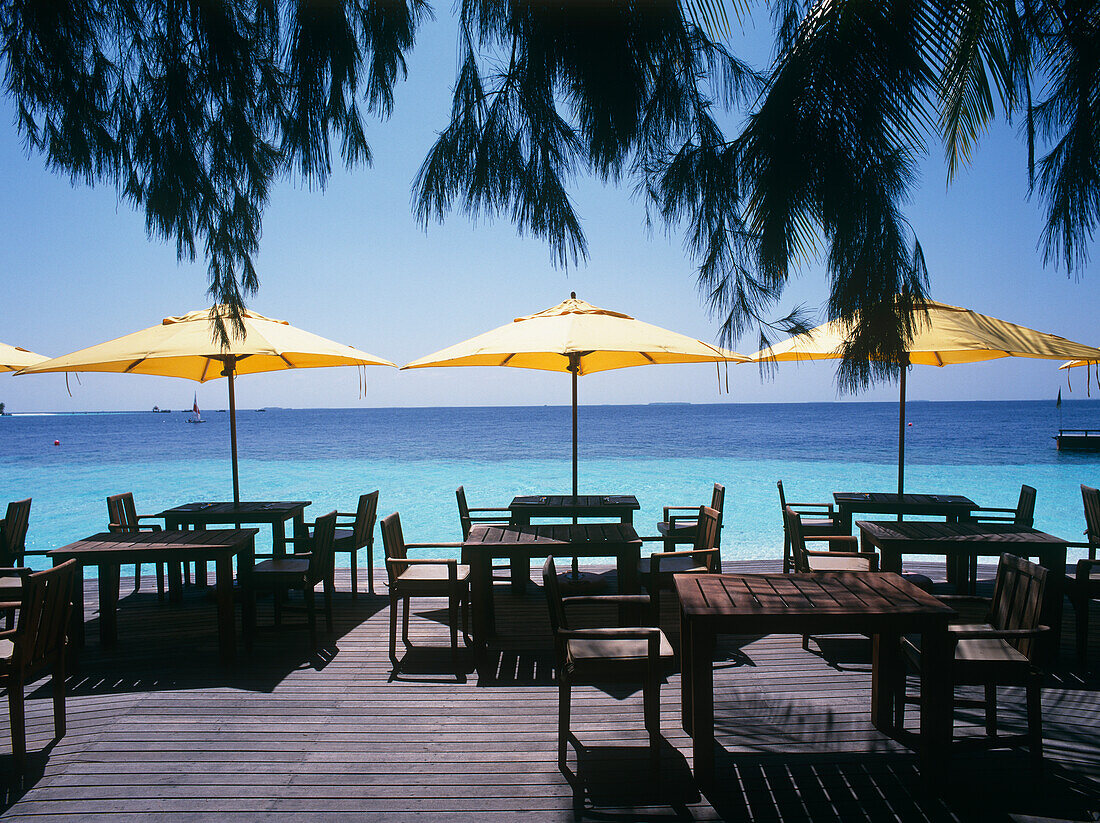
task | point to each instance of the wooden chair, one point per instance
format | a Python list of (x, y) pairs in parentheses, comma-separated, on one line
[(593, 656), (1000, 652), (467, 517), (843, 554), (123, 517), (817, 518), (677, 529), (1084, 585), (423, 577), (37, 644), (303, 571), (1022, 515), (13, 550), (359, 536), (704, 557)]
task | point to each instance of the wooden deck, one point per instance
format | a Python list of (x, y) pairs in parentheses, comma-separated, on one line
[(159, 730)]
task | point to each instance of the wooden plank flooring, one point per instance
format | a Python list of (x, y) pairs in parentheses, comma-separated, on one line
[(159, 730)]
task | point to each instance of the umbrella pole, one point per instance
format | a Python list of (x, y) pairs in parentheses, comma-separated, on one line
[(228, 372), (574, 367), (901, 432)]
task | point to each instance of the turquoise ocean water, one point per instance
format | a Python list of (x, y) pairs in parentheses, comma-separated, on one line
[(664, 454)]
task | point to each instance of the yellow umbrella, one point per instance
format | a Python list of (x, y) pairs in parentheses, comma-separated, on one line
[(579, 338), (944, 335), (185, 347), (14, 358)]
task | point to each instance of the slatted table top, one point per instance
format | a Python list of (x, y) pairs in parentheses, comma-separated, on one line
[(223, 511), (552, 534), (128, 543), (904, 503), (804, 596), (567, 503), (889, 531)]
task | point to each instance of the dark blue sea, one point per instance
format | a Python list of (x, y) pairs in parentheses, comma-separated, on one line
[(666, 454)]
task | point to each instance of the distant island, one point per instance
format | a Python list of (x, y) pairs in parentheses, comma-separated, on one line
[(670, 403)]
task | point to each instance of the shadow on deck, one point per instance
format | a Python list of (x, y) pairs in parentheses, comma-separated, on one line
[(158, 728)]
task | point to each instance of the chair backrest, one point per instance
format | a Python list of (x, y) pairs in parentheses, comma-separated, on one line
[(393, 544), (121, 513), (782, 499), (553, 596), (792, 527), (13, 532), (1018, 598), (706, 534), (44, 616), (323, 549), (1091, 499), (718, 502), (365, 515), (463, 512), (1025, 508)]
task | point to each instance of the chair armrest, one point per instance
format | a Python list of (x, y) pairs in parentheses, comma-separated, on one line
[(149, 517), (620, 599), (869, 557), (683, 521), (810, 508), (963, 598), (433, 545), (308, 539), (625, 633), (8, 633), (15, 571), (1084, 568), (983, 509), (668, 509), (489, 509), (704, 555), (35, 552), (964, 632), (831, 539), (421, 561)]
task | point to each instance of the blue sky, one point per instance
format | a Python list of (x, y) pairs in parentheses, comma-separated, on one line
[(351, 263)]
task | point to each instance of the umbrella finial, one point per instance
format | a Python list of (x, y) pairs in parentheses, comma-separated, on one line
[(572, 295)]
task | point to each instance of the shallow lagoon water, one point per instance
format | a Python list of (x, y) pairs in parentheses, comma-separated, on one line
[(664, 454)]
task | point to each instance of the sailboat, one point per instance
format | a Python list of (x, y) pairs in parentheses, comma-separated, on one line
[(196, 415)]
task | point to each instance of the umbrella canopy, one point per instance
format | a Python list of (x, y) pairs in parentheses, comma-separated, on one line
[(14, 358), (579, 338), (944, 335), (185, 347)]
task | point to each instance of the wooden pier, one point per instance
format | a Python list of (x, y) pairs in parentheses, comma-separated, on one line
[(160, 730)]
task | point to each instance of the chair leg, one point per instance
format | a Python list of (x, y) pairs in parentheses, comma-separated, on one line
[(563, 718), (370, 568), (1081, 613), (990, 709), (786, 552), (137, 576), (1035, 718), (395, 604), (466, 617), (160, 580), (354, 574), (277, 605), (405, 624), (452, 620), (59, 696), (308, 596), (330, 590), (18, 722), (651, 697)]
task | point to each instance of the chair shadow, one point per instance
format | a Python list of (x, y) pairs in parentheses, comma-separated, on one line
[(617, 783)]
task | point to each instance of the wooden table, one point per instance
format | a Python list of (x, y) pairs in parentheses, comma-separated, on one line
[(619, 506), (958, 542), (953, 507), (618, 540), (880, 604), (200, 515), (109, 550)]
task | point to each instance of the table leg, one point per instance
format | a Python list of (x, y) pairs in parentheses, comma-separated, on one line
[(76, 623), (246, 559), (627, 559), (1054, 558), (702, 703), (481, 597), (886, 669), (936, 702), (175, 582), (227, 633), (278, 536), (108, 603)]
